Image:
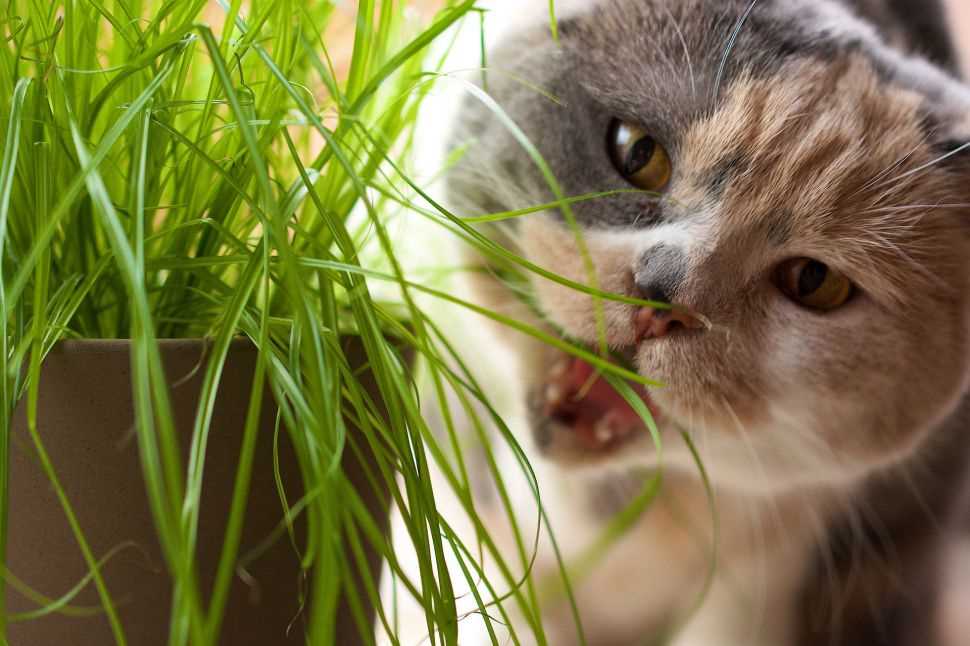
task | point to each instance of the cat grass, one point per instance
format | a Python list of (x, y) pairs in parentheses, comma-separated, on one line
[(187, 168)]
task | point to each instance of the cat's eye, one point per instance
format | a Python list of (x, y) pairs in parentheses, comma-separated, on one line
[(813, 284), (638, 157)]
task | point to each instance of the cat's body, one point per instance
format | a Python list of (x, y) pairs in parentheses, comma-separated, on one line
[(836, 441)]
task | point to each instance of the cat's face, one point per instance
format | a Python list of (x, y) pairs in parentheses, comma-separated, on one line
[(802, 209)]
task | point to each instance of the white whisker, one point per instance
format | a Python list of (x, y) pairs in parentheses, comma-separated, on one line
[(683, 42), (917, 207), (899, 162), (930, 164), (732, 40)]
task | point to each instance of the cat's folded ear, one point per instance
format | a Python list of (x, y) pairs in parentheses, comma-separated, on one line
[(946, 102), (944, 92), (948, 124)]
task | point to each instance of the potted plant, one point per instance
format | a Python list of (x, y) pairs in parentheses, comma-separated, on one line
[(206, 405)]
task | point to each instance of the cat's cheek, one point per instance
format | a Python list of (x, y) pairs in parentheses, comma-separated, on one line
[(554, 247), (852, 394)]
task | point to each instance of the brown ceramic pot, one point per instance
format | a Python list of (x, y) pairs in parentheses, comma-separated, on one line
[(86, 419)]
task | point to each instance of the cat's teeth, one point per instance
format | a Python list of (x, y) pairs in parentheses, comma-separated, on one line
[(554, 394), (559, 369), (604, 433)]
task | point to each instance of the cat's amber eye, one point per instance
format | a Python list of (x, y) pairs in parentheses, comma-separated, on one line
[(638, 157), (813, 284)]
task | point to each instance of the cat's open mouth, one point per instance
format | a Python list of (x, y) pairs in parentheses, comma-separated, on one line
[(580, 400)]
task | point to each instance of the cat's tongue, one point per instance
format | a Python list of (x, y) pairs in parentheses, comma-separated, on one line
[(579, 398)]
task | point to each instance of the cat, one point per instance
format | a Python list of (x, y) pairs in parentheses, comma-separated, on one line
[(793, 177)]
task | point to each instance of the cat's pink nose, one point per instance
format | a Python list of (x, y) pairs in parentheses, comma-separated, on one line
[(651, 323)]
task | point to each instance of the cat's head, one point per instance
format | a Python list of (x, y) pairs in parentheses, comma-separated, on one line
[(807, 204)]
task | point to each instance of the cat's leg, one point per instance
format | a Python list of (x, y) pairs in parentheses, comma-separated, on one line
[(720, 622), (751, 604)]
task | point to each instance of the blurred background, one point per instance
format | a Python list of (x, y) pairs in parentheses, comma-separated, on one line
[(960, 11)]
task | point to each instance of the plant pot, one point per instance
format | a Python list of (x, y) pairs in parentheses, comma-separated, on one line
[(85, 418)]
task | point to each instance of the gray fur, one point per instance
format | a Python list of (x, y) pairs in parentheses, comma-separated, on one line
[(675, 49)]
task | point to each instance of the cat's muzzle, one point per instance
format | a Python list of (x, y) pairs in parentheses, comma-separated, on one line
[(576, 415)]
